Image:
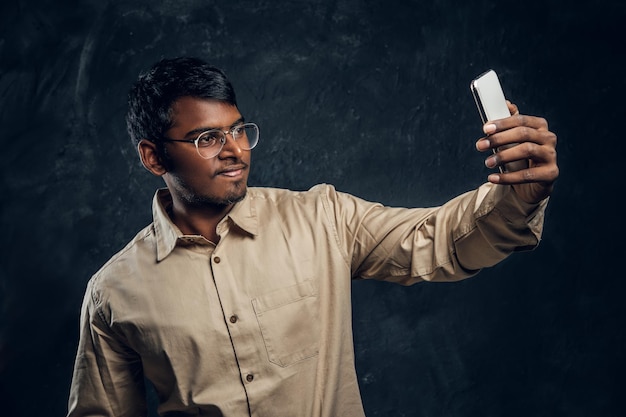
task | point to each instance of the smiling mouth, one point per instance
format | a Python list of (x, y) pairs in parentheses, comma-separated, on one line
[(232, 172)]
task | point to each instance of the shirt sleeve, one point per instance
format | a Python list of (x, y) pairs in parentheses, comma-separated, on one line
[(472, 231), (108, 377)]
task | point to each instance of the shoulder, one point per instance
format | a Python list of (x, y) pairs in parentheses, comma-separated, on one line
[(320, 202), (284, 196), (317, 199), (140, 249), (272, 193)]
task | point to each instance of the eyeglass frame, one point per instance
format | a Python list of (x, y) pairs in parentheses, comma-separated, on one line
[(222, 141)]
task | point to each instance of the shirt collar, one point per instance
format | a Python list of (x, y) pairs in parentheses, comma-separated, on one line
[(167, 234)]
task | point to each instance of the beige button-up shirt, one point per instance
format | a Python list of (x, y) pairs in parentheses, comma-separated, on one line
[(260, 324)]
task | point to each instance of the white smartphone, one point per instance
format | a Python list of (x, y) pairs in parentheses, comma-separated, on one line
[(491, 104)]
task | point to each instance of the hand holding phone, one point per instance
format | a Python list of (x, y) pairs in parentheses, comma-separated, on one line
[(492, 105)]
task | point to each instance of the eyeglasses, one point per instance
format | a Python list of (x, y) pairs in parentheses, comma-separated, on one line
[(210, 143)]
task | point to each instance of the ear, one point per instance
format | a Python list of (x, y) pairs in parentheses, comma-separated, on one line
[(150, 158)]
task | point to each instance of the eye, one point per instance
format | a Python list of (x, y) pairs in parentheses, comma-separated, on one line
[(209, 138), (239, 131)]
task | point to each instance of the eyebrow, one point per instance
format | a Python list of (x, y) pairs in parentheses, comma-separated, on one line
[(196, 132)]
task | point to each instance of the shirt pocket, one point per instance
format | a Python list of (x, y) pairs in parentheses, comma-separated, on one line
[(289, 322)]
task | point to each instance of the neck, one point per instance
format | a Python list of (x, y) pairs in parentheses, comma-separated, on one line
[(199, 219)]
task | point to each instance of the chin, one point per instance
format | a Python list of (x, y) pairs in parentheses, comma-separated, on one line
[(235, 198), (228, 198)]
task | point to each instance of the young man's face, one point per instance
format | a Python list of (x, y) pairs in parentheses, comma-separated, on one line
[(221, 180)]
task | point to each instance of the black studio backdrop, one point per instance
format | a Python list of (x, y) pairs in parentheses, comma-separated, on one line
[(373, 97)]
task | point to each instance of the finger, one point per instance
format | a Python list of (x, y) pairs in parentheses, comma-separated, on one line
[(521, 157), (518, 120), (545, 174), (519, 152), (538, 154), (518, 134), (512, 108)]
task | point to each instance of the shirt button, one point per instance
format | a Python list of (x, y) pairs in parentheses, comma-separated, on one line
[(217, 259), (233, 319), (249, 377)]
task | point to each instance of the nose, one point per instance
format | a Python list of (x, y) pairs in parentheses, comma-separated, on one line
[(230, 146)]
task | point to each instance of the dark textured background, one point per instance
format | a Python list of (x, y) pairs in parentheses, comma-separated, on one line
[(373, 97)]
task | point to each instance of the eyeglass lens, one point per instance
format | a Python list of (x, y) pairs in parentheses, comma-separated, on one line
[(210, 143)]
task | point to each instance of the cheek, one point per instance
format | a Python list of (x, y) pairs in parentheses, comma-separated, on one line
[(196, 166)]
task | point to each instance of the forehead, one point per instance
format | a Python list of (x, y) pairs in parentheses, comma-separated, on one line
[(190, 113)]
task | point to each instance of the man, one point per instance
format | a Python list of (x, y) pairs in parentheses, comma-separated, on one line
[(236, 301)]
